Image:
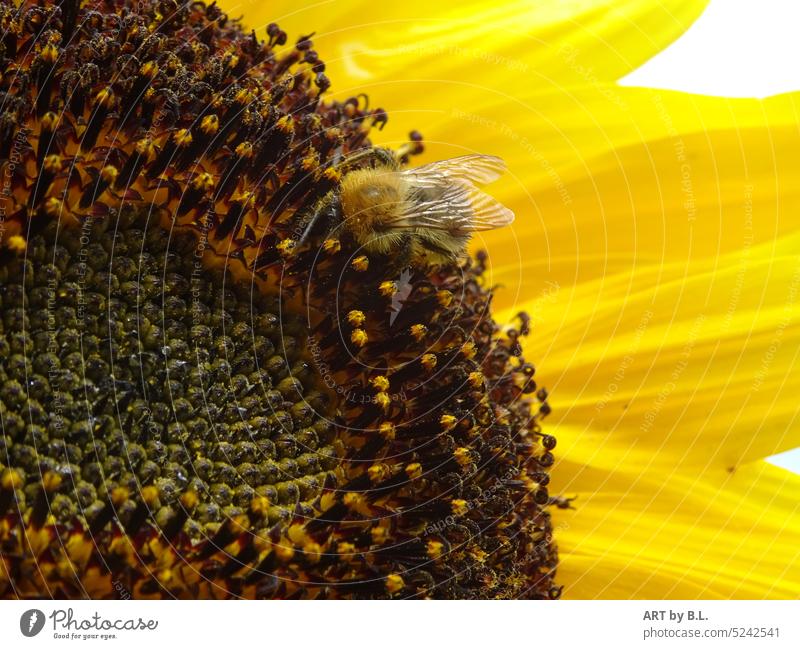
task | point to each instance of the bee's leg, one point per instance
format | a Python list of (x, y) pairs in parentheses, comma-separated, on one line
[(321, 219), (405, 254), (377, 156), (384, 157), (309, 220)]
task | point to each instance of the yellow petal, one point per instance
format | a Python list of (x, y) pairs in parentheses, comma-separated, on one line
[(639, 533), (693, 361), (601, 190), (514, 43)]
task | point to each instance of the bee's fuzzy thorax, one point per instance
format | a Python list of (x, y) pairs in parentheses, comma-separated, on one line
[(372, 199)]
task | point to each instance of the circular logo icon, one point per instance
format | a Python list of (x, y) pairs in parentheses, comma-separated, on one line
[(31, 622)]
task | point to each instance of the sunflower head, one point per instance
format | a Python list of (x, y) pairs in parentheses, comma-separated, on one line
[(196, 401)]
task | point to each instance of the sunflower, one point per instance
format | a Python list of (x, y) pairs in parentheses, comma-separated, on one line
[(206, 392), (194, 405), (656, 252)]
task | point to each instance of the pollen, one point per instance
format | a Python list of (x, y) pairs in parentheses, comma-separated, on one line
[(203, 182), (447, 422), (356, 318), (285, 124), (109, 174), (378, 472), (183, 137), (475, 379), (149, 69), (52, 164), (388, 288), (380, 383), (331, 246), (355, 501), (49, 53), (429, 361), (286, 247), (387, 430), (332, 175), (244, 150), (394, 584), (359, 337), (380, 534), (10, 480), (313, 552), (345, 548), (209, 125), (445, 298), (434, 549), (310, 161), (17, 244), (383, 400), (463, 456), (468, 350), (284, 552), (418, 332)]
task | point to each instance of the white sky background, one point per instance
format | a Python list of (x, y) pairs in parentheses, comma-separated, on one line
[(737, 48)]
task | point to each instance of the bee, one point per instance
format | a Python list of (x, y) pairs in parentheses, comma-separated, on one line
[(412, 216)]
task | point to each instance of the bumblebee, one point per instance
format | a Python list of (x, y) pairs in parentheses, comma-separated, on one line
[(424, 215)]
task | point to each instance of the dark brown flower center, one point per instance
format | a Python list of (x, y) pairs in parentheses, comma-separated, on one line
[(194, 400)]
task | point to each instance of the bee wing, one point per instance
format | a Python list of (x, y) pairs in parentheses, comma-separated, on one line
[(443, 196), (459, 207), (475, 168)]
